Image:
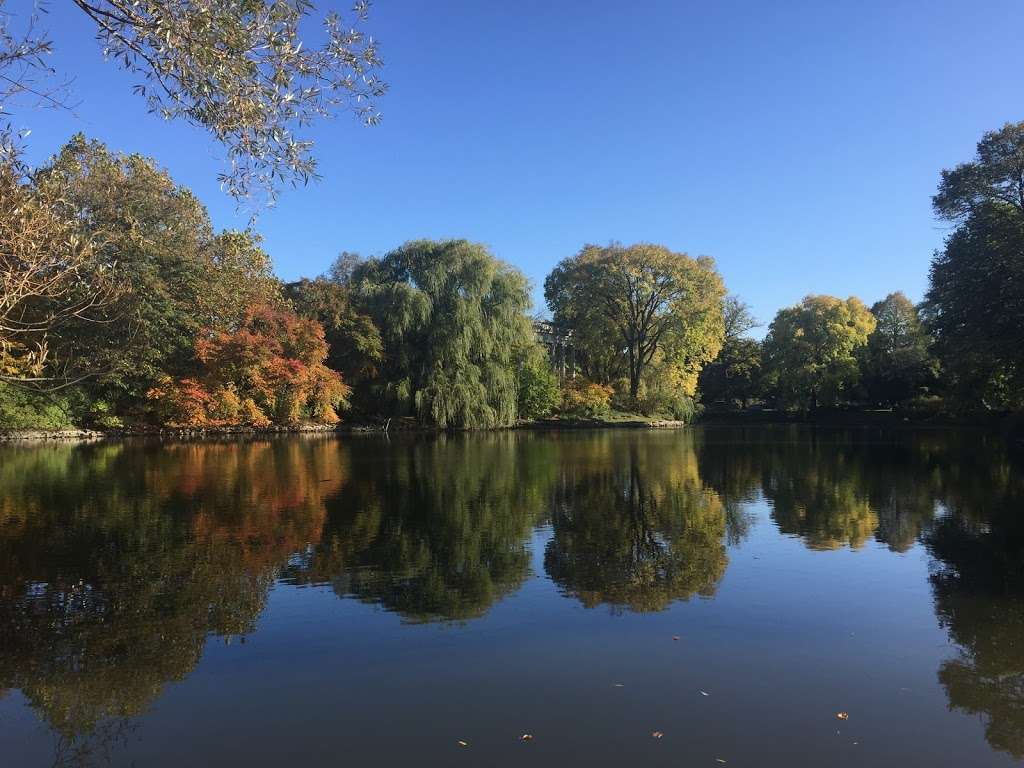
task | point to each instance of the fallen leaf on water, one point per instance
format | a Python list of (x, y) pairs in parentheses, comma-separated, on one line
[(843, 715), (526, 737), (657, 734), (463, 743)]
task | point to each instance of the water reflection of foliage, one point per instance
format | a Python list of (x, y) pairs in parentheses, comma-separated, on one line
[(830, 488), (436, 529), (115, 563), (978, 580), (118, 561), (633, 526)]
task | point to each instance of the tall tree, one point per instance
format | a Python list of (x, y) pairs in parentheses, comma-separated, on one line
[(975, 302), (240, 69), (735, 374), (628, 305), (737, 317), (994, 177), (356, 348), (454, 323), (811, 349), (51, 275), (896, 361), (182, 276)]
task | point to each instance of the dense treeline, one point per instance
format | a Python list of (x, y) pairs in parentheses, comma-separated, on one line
[(123, 306), (961, 349)]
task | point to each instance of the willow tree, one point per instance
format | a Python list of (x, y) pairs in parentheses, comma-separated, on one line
[(454, 323), (632, 307)]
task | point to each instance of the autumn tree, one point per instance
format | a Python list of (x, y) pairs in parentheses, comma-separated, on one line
[(51, 275), (631, 307), (975, 300), (271, 370), (811, 350), (454, 324), (181, 275), (356, 347), (239, 69)]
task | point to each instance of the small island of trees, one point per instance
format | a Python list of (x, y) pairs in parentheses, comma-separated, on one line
[(123, 307)]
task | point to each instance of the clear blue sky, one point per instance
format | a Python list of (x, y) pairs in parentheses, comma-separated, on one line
[(798, 143)]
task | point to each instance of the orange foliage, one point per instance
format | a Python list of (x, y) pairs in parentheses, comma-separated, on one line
[(271, 370)]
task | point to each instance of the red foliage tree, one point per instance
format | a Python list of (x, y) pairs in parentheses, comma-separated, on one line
[(269, 371)]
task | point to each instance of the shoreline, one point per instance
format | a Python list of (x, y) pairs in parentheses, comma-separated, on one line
[(1012, 425)]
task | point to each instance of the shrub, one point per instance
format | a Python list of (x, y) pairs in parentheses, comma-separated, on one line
[(586, 399), (20, 409), (539, 394)]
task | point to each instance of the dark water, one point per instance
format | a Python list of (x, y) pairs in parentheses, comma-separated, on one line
[(357, 601)]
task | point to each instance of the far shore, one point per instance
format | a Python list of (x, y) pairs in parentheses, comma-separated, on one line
[(1011, 425)]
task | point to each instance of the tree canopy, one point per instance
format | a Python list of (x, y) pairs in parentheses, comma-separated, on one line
[(994, 177), (896, 362), (811, 349), (631, 307), (454, 324), (975, 301)]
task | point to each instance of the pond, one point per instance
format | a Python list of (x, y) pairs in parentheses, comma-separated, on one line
[(710, 596)]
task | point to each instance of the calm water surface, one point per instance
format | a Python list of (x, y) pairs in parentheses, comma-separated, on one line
[(361, 601)]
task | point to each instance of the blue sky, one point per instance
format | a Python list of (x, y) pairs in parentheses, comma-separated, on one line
[(798, 143)]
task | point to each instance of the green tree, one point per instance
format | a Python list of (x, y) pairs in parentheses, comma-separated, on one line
[(454, 324), (735, 374), (356, 347), (975, 301), (539, 391), (811, 350), (896, 363), (237, 68), (181, 276), (629, 307), (994, 177)]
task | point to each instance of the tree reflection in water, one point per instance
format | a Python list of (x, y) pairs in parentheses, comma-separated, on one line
[(978, 580), (633, 526), (118, 561), (436, 529)]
